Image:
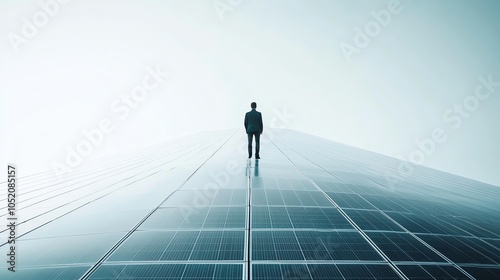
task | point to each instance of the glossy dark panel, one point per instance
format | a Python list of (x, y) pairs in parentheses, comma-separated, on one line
[(181, 246), (485, 273), (311, 245), (464, 250), (55, 273), (432, 272), (372, 220), (403, 247), (169, 271), (198, 208), (298, 217), (346, 200)]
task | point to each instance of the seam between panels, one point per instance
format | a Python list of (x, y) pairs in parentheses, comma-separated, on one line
[(105, 175), (76, 200), (429, 246), (421, 240), (387, 216), (81, 206), (93, 268), (249, 221), (360, 231), (291, 229)]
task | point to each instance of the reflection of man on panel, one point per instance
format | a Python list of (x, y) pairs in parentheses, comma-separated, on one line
[(254, 127)]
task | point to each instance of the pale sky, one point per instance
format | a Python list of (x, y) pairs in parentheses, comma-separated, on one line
[(65, 68)]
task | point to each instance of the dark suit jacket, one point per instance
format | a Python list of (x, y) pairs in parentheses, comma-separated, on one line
[(253, 122)]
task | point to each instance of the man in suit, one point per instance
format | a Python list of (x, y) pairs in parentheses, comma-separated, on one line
[(253, 127)]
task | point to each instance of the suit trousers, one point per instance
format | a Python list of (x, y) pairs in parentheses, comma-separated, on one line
[(257, 143)]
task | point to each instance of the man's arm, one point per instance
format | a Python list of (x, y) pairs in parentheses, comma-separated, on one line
[(246, 122), (261, 124)]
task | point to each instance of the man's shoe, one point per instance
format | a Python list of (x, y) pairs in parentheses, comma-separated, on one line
[(257, 157), (250, 156)]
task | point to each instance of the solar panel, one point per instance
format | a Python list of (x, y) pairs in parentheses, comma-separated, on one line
[(311, 209)]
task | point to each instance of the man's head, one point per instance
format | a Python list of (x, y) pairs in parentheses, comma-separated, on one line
[(253, 105)]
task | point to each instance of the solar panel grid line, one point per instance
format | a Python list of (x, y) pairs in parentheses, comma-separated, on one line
[(209, 214), (248, 240), (461, 251), (423, 263), (228, 217), (329, 261), (51, 192), (485, 272), (67, 203), (361, 166), (492, 242), (171, 144), (149, 262), (319, 230), (293, 228), (50, 273), (432, 272), (62, 215), (77, 174), (344, 214), (38, 182), (195, 243), (381, 202), (454, 226), (27, 189), (477, 265), (460, 187), (298, 206), (28, 177), (488, 251), (427, 175), (145, 244), (393, 266), (106, 256), (323, 271), (81, 187), (487, 230), (412, 249), (432, 248), (413, 223), (137, 249), (299, 244), (290, 271), (375, 222), (96, 164), (440, 234)]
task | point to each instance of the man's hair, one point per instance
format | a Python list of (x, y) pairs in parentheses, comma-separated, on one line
[(253, 105)]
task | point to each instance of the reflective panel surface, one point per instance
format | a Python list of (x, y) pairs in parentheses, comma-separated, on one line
[(197, 208)]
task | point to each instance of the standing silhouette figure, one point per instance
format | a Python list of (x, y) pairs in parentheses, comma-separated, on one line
[(254, 128)]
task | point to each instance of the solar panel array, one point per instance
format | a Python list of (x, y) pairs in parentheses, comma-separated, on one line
[(196, 208)]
